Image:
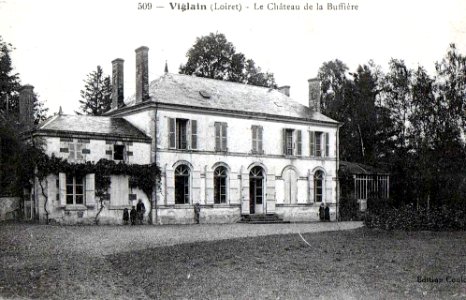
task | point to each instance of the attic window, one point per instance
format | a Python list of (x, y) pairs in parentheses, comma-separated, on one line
[(205, 94)]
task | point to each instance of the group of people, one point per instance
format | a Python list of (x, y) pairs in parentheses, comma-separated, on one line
[(135, 215), (324, 212)]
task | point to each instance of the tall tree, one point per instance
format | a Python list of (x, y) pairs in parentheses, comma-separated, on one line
[(213, 56), (9, 82), (97, 94)]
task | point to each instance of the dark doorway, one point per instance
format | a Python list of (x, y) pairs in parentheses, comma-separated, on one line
[(256, 188)]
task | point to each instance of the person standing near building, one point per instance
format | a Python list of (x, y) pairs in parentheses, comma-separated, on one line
[(322, 212), (132, 215), (141, 209), (125, 216), (327, 213)]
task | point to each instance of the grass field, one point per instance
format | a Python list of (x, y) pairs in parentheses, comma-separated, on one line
[(355, 264)]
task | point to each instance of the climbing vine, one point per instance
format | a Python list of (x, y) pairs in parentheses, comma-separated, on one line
[(143, 177)]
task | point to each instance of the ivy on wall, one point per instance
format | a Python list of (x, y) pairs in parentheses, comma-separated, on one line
[(143, 177)]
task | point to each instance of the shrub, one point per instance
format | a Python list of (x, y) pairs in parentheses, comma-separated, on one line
[(349, 209), (407, 217)]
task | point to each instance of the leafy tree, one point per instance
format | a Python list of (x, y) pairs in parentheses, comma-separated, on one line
[(354, 100), (213, 56), (9, 82), (97, 94)]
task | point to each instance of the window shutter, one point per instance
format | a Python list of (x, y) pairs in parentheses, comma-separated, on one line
[(259, 140), (217, 137), (312, 143), (90, 190), (193, 134), (327, 145), (224, 137), (171, 133), (254, 138), (284, 140), (62, 184), (298, 142)]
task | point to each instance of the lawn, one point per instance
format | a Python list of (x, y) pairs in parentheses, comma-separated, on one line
[(354, 264)]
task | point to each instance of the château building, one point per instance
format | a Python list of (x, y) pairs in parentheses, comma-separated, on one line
[(232, 148)]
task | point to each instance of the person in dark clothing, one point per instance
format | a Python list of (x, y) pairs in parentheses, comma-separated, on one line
[(322, 212), (125, 216), (327, 213), (141, 209), (197, 211), (132, 215)]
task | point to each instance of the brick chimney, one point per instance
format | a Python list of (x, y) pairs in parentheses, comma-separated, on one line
[(314, 94), (26, 106), (142, 74), (285, 90), (117, 83)]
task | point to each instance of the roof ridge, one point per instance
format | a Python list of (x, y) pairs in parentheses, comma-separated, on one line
[(221, 80)]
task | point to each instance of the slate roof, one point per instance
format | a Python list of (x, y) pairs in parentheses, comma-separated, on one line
[(223, 95), (92, 125)]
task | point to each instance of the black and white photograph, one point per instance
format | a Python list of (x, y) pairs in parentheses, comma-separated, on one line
[(233, 149)]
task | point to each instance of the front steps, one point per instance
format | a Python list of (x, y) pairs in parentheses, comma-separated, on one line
[(262, 219)]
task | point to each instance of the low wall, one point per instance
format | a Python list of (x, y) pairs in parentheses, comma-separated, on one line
[(301, 213)]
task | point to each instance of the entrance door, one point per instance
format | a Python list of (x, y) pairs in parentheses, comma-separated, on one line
[(256, 190)]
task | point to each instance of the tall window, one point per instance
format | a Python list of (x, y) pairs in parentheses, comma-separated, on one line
[(182, 133), (220, 136), (292, 144), (220, 185), (288, 141), (257, 139), (319, 143), (318, 186), (182, 185), (74, 189), (256, 188)]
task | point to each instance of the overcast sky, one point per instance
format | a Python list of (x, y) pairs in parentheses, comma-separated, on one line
[(59, 42)]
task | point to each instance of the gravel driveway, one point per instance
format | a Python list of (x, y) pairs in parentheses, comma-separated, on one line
[(103, 240)]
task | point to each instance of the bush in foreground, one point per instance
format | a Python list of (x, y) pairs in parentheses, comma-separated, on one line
[(408, 217)]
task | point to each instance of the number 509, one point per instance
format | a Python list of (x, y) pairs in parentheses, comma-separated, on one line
[(144, 5)]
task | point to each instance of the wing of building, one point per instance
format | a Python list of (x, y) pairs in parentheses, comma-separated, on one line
[(236, 150)]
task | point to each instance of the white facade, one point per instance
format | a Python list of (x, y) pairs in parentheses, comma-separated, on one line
[(226, 150), (289, 180)]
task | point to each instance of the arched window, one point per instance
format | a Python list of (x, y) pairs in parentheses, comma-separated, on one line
[(291, 186), (182, 184), (318, 186), (220, 185), (256, 188)]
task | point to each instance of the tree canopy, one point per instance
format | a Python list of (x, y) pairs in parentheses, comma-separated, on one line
[(213, 56), (96, 97), (405, 121)]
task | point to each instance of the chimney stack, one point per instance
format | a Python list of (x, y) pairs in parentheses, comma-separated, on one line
[(142, 74), (314, 94), (117, 83), (26, 106), (285, 90)]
